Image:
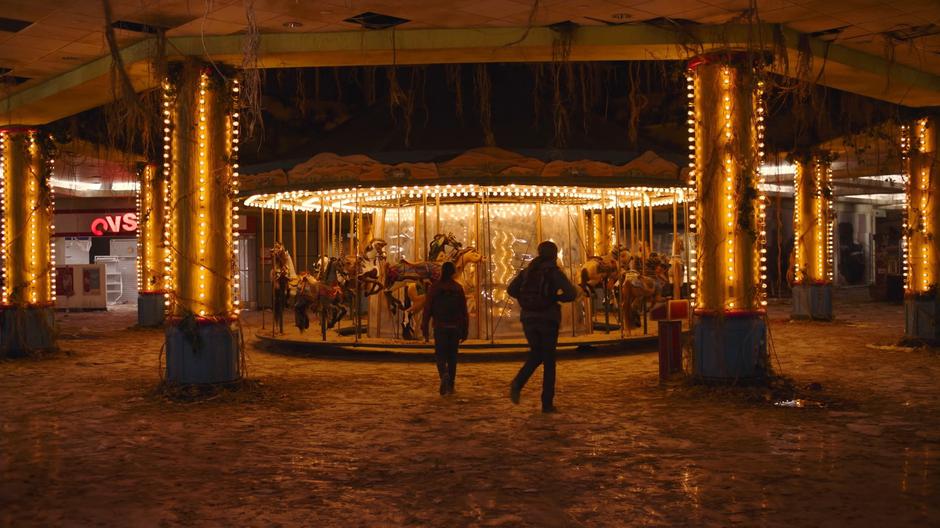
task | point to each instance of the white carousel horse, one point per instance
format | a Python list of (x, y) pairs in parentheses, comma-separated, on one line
[(437, 247), (365, 267), (283, 275)]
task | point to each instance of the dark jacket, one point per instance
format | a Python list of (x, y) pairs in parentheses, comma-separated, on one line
[(564, 291), (458, 318)]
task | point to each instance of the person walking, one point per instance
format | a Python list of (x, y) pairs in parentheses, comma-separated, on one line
[(539, 288), (447, 305)]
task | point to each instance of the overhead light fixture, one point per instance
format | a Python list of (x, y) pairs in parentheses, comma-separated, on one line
[(75, 185), (621, 16), (293, 24), (370, 20)]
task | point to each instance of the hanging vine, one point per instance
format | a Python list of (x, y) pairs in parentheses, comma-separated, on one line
[(481, 82)]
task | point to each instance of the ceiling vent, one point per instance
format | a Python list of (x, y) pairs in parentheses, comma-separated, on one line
[(908, 32), (12, 25), (135, 27), (370, 20), (12, 80)]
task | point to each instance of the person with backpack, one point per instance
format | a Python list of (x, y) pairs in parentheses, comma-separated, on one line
[(539, 288), (447, 305)]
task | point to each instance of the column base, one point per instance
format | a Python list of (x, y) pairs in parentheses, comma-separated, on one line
[(730, 347), (150, 309), (26, 330), (812, 301), (202, 352), (920, 320)]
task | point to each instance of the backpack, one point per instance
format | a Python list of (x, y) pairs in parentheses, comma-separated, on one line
[(537, 292), (447, 307)]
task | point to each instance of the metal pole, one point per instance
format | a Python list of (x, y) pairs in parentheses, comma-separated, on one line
[(306, 240), (261, 275), (571, 268)]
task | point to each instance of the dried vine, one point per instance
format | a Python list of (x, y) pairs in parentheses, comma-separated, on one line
[(481, 82)]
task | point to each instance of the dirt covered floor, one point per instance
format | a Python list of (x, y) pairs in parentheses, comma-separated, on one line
[(86, 441)]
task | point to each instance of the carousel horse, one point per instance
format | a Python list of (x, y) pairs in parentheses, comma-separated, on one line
[(365, 267), (321, 293), (404, 273), (282, 275), (640, 293), (601, 271), (416, 292), (677, 267), (438, 244)]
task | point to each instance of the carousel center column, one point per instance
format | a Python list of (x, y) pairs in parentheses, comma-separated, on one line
[(922, 231), (729, 291), (151, 251), (812, 230), (201, 146), (27, 301)]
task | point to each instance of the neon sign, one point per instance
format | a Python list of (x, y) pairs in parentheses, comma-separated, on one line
[(126, 223)]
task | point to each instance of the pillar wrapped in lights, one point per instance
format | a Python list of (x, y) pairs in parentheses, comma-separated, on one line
[(812, 244), (921, 230), (200, 165), (26, 247), (151, 252), (726, 124)]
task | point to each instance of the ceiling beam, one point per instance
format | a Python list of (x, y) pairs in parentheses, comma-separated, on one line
[(834, 65)]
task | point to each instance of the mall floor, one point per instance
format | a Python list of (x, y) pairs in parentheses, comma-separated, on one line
[(86, 440)]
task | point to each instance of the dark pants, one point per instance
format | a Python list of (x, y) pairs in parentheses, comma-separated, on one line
[(543, 338), (446, 341)]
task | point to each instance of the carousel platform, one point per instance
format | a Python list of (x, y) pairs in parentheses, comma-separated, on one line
[(348, 347)]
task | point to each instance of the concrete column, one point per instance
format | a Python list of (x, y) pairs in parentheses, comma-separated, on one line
[(813, 217), (27, 301), (151, 251), (201, 148), (921, 230), (726, 135)]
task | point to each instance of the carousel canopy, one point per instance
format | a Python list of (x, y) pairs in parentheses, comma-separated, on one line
[(330, 180)]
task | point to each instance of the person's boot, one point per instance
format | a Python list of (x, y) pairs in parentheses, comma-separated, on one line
[(514, 393), (450, 387), (445, 384), (548, 408)]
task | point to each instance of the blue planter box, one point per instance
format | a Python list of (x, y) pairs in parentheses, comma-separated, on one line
[(25, 330), (812, 301), (730, 348), (207, 353)]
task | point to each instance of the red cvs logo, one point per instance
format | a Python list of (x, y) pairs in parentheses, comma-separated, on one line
[(126, 223)]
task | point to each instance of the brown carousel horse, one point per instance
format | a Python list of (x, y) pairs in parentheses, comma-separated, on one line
[(416, 293), (404, 273), (601, 271), (640, 293), (322, 294)]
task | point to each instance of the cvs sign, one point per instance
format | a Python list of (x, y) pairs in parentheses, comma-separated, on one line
[(126, 223)]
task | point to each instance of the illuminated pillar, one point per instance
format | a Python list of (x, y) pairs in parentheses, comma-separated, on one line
[(812, 231), (27, 249), (921, 230), (726, 126), (151, 251), (200, 165)]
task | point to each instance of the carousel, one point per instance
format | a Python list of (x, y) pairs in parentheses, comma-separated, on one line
[(353, 245)]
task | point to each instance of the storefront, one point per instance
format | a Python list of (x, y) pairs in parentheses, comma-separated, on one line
[(96, 254)]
